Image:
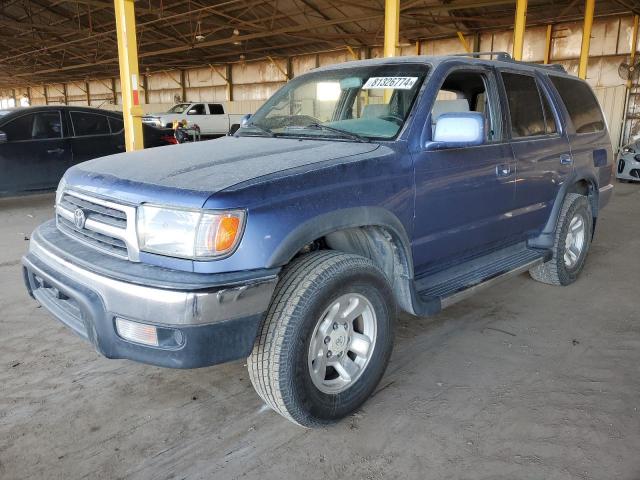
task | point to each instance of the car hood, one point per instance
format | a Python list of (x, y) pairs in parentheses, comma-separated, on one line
[(190, 173)]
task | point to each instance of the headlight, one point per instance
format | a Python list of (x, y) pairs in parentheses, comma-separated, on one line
[(188, 233), (61, 186)]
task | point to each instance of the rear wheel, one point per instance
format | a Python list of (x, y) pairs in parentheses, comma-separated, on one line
[(326, 339), (572, 241)]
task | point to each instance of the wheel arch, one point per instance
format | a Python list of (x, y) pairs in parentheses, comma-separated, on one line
[(372, 232), (584, 184)]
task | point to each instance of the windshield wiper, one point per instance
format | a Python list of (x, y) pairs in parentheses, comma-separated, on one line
[(264, 130), (344, 133)]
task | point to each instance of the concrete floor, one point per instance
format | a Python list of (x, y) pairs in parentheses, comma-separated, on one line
[(523, 381)]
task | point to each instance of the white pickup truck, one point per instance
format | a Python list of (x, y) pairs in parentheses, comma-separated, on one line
[(210, 117)]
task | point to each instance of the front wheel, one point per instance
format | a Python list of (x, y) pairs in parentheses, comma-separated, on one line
[(572, 241), (326, 339)]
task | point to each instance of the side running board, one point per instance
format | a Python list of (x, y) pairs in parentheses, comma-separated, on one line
[(457, 283)]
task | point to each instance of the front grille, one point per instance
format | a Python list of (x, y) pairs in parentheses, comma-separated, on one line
[(114, 217), (105, 225), (106, 243)]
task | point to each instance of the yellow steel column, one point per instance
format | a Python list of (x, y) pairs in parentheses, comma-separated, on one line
[(547, 45), (391, 27), (128, 58), (518, 29), (634, 45), (391, 35), (589, 8)]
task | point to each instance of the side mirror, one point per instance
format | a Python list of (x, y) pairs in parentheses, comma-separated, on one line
[(459, 129), (245, 119), (3, 137), (193, 111)]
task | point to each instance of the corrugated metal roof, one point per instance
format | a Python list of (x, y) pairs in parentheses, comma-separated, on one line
[(61, 40)]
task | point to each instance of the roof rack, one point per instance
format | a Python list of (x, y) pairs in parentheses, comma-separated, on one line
[(505, 57)]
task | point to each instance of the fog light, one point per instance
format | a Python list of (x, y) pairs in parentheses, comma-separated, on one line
[(137, 332)]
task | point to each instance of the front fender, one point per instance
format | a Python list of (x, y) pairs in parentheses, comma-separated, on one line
[(333, 221)]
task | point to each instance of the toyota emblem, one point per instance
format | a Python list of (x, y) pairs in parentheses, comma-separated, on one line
[(78, 218)]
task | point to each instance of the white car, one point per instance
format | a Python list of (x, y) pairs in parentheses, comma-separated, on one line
[(210, 117), (628, 168)]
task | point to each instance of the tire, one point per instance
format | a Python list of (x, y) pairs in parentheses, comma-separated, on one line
[(280, 365), (560, 270)]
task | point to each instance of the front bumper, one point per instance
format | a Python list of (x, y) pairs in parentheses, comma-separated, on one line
[(628, 168), (212, 323)]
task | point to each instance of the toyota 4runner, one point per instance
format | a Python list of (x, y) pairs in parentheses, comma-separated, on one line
[(356, 190)]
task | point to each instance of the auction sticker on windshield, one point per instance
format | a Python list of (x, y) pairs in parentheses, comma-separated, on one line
[(397, 83)]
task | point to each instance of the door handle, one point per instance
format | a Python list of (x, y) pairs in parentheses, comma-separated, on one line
[(56, 151), (503, 170), (566, 159)]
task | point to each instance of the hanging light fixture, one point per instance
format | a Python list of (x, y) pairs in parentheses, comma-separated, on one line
[(198, 35)]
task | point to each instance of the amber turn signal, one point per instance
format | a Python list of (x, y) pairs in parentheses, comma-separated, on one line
[(226, 233)]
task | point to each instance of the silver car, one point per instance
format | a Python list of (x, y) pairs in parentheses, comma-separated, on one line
[(628, 168)]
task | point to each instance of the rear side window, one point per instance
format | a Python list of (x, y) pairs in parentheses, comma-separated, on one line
[(216, 109), (47, 125), (525, 107), (116, 124), (85, 124), (581, 104), (549, 119)]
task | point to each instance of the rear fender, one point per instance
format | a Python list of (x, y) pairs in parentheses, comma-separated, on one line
[(547, 238)]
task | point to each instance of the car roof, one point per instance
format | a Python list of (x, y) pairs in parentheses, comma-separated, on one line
[(503, 60), (40, 108)]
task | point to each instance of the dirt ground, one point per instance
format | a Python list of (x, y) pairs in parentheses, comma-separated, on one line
[(523, 381)]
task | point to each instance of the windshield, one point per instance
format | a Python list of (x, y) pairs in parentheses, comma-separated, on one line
[(358, 104), (179, 108)]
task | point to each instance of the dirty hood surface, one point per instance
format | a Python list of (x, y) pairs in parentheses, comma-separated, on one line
[(192, 172)]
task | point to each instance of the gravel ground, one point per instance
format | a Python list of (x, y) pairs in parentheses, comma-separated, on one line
[(523, 381)]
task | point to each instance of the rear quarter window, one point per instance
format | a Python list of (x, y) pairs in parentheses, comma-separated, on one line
[(581, 104), (116, 124)]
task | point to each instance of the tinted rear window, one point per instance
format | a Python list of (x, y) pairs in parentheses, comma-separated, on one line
[(549, 119), (85, 123), (581, 104), (47, 125), (216, 109), (525, 108)]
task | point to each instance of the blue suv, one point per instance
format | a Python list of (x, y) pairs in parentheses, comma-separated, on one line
[(356, 190)]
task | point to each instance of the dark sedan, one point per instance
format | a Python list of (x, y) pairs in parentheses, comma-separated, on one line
[(38, 144)]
